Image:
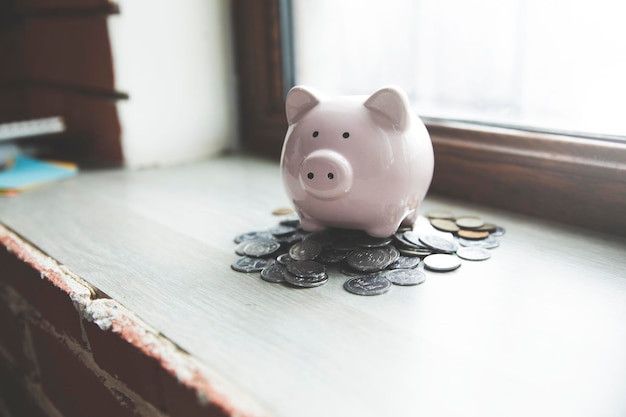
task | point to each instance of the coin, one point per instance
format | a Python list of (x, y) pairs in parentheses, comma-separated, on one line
[(344, 244), (346, 270), (306, 250), (473, 234), (406, 276), (248, 264), (259, 247), (309, 269), (281, 211), (274, 273), (500, 231), (372, 259), (305, 282), (439, 214), (445, 225), (325, 237), (252, 235), (488, 243), (405, 262), (372, 242), (331, 256), (469, 222), (290, 221), (438, 243), (490, 227), (282, 230), (284, 259), (372, 262), (441, 262), (415, 252), (473, 253), (368, 285)]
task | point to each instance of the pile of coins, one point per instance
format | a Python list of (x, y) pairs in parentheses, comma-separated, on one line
[(286, 254)]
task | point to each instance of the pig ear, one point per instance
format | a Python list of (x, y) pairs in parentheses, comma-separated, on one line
[(392, 103), (300, 100)]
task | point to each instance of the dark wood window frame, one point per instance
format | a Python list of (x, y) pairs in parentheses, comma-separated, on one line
[(575, 180)]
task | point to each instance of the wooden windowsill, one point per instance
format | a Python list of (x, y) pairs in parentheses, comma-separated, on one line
[(540, 328)]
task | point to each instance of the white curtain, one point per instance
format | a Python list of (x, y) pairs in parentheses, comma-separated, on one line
[(555, 64)]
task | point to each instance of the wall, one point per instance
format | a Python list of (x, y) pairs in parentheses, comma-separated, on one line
[(174, 61), (142, 83)]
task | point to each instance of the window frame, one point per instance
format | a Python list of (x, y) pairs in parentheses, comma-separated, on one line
[(575, 180)]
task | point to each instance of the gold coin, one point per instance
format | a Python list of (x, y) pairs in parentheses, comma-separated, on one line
[(473, 234), (489, 227), (282, 211), (440, 214), (445, 225)]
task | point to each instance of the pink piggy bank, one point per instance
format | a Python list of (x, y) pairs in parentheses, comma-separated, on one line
[(355, 162)]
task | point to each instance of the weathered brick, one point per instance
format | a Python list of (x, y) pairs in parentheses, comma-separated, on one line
[(74, 388), (126, 362), (17, 273), (53, 303), (11, 329), (183, 401), (15, 397)]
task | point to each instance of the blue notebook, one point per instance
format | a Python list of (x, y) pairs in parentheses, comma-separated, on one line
[(25, 173)]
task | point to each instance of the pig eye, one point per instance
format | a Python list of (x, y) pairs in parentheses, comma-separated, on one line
[(346, 135), (315, 134)]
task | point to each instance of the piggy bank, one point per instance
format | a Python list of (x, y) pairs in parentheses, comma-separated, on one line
[(355, 162)]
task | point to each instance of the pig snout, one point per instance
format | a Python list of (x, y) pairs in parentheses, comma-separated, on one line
[(326, 174)]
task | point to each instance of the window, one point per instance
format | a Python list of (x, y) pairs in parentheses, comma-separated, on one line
[(571, 178), (551, 65)]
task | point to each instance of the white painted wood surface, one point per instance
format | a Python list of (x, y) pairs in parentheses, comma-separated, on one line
[(539, 329)]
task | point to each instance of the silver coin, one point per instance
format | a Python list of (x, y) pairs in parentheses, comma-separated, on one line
[(344, 244), (406, 276), (290, 239), (248, 264), (306, 269), (252, 235), (325, 237), (347, 271), (260, 247), (500, 231), (488, 243), (306, 250), (405, 262), (331, 256), (371, 259), (285, 259), (415, 252), (469, 222), (438, 243), (411, 238), (442, 262), (282, 230), (305, 282), (274, 273), (473, 253), (372, 242), (367, 285), (290, 221)]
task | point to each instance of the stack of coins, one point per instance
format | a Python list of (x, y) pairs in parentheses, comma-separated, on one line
[(286, 254)]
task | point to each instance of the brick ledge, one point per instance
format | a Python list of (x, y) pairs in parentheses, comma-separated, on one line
[(109, 315)]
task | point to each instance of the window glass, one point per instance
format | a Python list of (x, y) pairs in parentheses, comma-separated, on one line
[(537, 64)]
